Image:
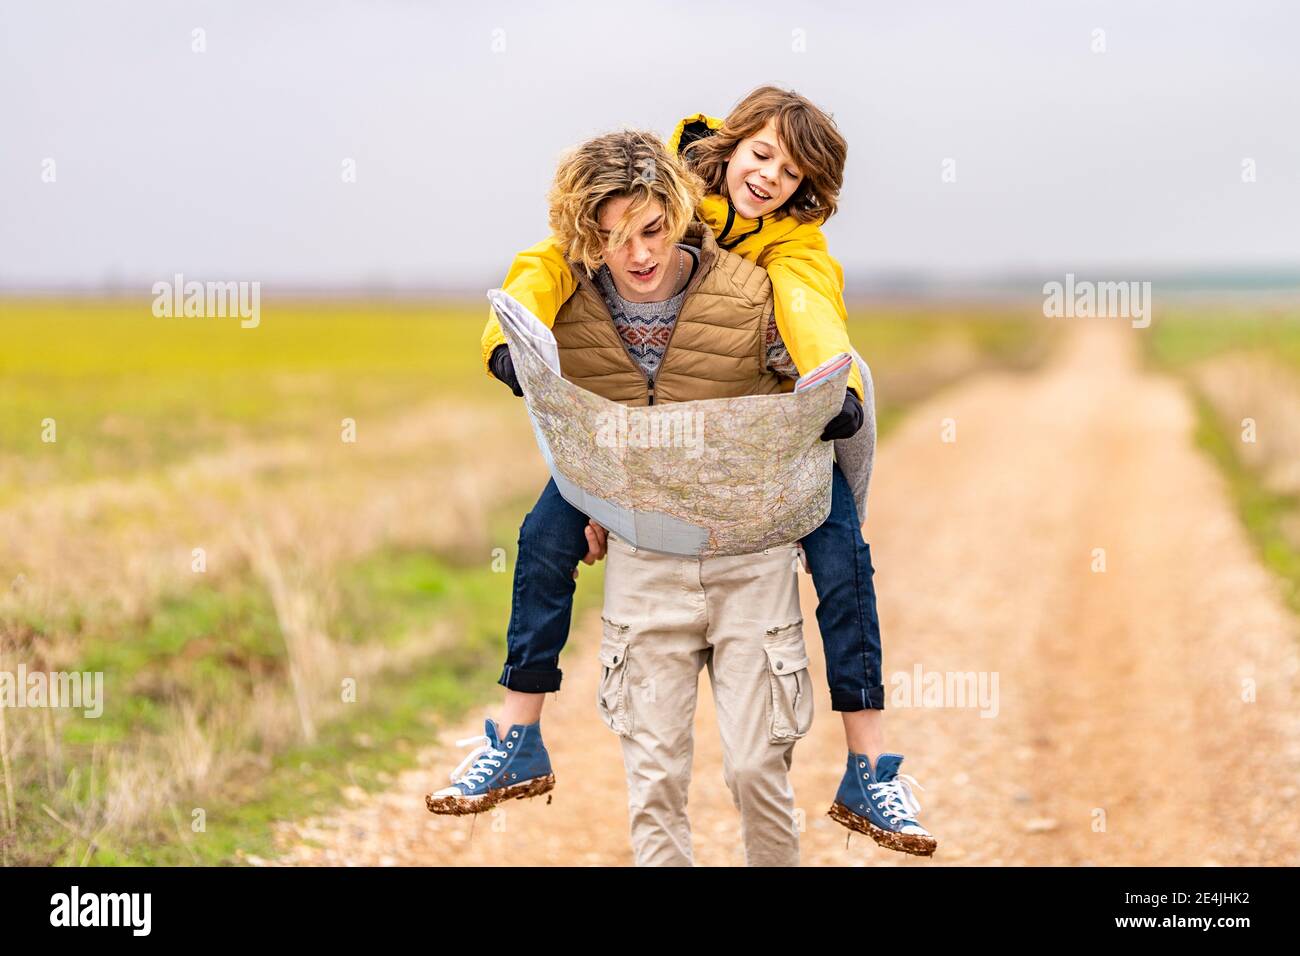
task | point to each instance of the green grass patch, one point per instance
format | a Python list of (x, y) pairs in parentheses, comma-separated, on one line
[(381, 736), (1190, 335), (1261, 511), (128, 392), (1185, 335), (1010, 335), (896, 342)]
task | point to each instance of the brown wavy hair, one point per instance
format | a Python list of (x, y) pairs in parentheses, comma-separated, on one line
[(809, 134), (626, 163)]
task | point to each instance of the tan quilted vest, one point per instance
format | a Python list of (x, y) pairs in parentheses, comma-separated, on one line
[(717, 348)]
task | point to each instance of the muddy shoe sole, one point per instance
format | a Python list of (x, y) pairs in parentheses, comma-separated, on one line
[(459, 806), (912, 843)]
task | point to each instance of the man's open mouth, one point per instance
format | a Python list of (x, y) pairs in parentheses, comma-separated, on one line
[(645, 273), (758, 193)]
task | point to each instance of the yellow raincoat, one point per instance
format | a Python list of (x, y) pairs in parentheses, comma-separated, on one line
[(807, 281)]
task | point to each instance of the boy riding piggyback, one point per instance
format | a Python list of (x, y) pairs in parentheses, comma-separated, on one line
[(772, 172)]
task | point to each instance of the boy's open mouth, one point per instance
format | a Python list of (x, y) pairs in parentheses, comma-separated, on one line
[(645, 274), (758, 193)]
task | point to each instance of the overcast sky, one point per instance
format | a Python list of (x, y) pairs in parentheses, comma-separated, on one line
[(229, 163)]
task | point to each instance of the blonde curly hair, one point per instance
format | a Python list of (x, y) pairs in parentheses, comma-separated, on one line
[(626, 163)]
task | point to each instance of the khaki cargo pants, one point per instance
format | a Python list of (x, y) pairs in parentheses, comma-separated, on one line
[(667, 617)]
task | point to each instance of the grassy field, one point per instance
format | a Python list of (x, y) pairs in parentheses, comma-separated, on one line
[(1243, 367), (132, 392), (914, 350), (1191, 333), (200, 532)]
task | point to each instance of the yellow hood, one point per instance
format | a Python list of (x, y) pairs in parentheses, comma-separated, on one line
[(675, 141)]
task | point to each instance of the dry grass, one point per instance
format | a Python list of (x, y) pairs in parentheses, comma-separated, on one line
[(1265, 390), (290, 515), (113, 546)]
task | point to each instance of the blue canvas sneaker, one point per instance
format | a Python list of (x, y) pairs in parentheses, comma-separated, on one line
[(496, 770), (879, 803)]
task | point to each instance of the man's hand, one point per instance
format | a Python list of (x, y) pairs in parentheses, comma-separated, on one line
[(502, 367), (848, 421), (595, 544)]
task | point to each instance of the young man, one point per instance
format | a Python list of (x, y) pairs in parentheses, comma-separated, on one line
[(665, 618)]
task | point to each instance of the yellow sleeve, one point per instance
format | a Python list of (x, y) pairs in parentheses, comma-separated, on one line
[(541, 281), (808, 290)]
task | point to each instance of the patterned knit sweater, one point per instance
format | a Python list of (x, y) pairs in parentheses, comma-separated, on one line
[(645, 327)]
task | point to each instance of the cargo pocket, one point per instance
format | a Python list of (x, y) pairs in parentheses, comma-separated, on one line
[(791, 687), (611, 697)]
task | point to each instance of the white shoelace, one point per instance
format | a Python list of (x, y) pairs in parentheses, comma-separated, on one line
[(897, 800), (474, 768)]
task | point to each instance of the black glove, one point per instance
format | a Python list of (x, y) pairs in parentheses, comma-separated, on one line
[(502, 367), (848, 421)]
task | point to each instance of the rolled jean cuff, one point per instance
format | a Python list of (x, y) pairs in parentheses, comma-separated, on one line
[(868, 698), (531, 682)]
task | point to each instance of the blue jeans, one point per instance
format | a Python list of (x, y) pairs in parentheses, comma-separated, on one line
[(840, 563), (552, 541)]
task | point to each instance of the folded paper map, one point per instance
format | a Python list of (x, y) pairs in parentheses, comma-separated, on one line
[(712, 477)]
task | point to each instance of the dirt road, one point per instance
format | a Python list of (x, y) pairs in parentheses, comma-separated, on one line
[(1147, 713)]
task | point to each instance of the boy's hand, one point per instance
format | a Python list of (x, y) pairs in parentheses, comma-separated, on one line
[(848, 421), (502, 367), (595, 544)]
